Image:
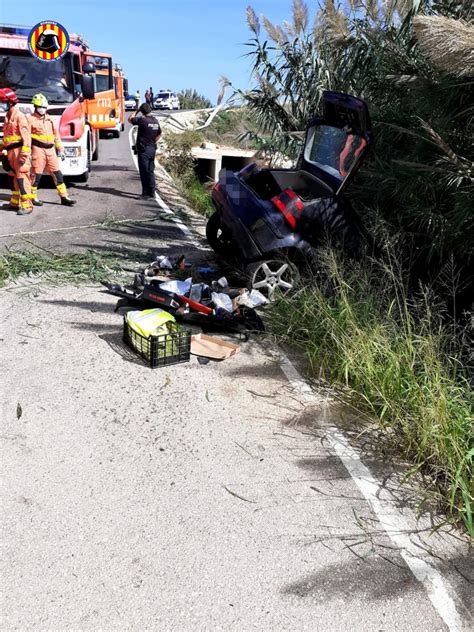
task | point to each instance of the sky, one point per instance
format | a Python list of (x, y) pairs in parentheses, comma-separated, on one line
[(175, 44)]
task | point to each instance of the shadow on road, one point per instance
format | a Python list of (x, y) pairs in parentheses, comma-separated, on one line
[(120, 193), (377, 578), (115, 342), (90, 306), (107, 168)]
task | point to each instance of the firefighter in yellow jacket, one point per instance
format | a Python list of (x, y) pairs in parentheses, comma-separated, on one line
[(16, 150), (45, 148)]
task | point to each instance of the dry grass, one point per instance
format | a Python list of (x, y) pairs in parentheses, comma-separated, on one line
[(449, 44), (358, 327)]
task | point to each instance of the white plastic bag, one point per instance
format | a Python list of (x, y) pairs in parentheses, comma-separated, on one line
[(178, 287), (162, 262), (252, 299), (222, 300)]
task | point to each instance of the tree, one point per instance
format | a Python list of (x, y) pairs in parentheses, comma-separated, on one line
[(189, 99), (412, 62)]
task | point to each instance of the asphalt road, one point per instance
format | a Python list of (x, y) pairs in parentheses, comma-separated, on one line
[(110, 194), (196, 497)]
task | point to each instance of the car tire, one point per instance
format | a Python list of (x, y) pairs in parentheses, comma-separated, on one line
[(272, 277), (217, 238), (95, 155)]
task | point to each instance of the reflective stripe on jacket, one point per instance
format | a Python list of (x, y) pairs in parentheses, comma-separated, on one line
[(44, 130), (17, 130)]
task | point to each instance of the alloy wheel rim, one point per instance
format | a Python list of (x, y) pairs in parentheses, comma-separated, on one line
[(274, 278)]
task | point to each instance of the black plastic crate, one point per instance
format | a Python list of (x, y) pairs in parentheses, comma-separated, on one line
[(162, 350)]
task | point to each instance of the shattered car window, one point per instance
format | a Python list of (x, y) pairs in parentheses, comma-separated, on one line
[(333, 149)]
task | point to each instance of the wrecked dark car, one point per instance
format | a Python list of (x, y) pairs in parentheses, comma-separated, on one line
[(269, 220)]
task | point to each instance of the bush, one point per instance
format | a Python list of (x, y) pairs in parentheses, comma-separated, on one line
[(178, 159), (180, 163), (190, 99), (413, 64), (198, 196), (233, 127), (404, 367)]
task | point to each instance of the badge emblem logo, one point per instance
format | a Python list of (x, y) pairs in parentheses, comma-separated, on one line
[(48, 41)]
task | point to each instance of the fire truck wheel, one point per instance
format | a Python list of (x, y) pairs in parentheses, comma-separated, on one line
[(95, 155), (84, 177)]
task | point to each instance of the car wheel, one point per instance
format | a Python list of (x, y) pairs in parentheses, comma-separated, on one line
[(272, 276), (217, 237)]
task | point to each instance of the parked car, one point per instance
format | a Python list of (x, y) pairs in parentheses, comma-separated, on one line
[(130, 103), (269, 221), (166, 100)]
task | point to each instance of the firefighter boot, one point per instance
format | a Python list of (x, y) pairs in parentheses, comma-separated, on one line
[(61, 187), (26, 198), (34, 191), (66, 201), (14, 203)]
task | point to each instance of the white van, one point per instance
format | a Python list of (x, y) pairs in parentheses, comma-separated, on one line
[(166, 100)]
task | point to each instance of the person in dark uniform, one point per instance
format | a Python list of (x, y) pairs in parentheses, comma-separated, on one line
[(149, 131)]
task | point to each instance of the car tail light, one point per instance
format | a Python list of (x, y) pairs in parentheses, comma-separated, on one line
[(289, 205)]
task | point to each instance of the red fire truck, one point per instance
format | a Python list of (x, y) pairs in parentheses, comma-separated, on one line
[(79, 104)]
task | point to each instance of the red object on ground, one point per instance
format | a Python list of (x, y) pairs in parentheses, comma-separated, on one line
[(198, 307)]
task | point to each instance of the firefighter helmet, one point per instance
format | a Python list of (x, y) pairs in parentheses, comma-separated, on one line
[(7, 94), (40, 100), (48, 41)]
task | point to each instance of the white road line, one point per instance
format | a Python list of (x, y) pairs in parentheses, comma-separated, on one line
[(393, 523), (162, 204)]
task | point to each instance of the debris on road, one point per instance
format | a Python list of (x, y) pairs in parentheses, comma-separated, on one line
[(155, 335), (212, 307), (211, 347)]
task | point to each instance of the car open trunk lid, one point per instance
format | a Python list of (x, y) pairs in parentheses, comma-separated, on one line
[(337, 142)]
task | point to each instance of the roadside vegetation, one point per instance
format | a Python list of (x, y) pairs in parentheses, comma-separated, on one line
[(233, 128), (190, 99), (178, 161), (75, 268), (389, 328), (230, 128), (398, 359)]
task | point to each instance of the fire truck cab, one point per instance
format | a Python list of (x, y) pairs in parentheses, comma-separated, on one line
[(79, 102)]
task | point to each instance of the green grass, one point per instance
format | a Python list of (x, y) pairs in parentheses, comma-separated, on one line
[(198, 196), (89, 266), (359, 328)]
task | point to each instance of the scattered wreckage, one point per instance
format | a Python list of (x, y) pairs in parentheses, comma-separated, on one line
[(163, 304), (268, 222)]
